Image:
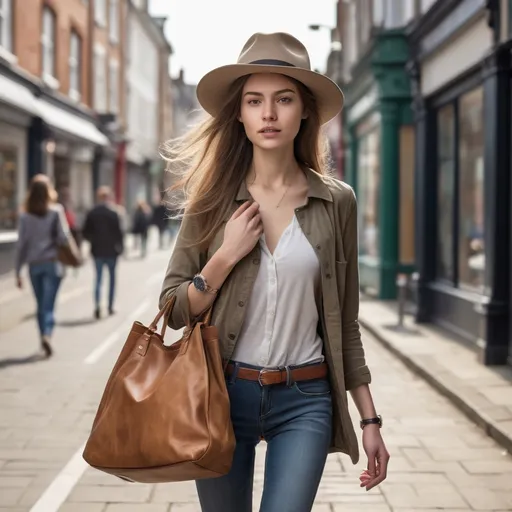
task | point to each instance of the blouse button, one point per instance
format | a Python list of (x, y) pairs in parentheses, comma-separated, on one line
[(241, 303), (256, 261)]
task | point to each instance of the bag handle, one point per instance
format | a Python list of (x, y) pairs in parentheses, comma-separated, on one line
[(166, 313)]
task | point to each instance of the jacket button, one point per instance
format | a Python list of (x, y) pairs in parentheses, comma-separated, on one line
[(318, 247), (328, 276), (256, 261), (241, 303), (231, 336)]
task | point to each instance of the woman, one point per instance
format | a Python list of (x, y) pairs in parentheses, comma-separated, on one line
[(41, 229), (270, 240)]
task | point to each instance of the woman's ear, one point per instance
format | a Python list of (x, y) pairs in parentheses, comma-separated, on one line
[(304, 115)]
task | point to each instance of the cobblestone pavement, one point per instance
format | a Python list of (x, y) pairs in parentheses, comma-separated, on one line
[(440, 460)]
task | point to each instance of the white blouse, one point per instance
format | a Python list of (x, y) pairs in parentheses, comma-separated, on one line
[(280, 326)]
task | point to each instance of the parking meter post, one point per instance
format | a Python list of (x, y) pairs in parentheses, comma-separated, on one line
[(401, 283)]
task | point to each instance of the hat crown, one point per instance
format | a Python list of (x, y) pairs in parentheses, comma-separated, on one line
[(278, 46)]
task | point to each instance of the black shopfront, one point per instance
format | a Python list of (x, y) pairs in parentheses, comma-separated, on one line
[(463, 186)]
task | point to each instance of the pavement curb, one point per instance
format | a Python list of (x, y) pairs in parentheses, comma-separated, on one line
[(470, 410)]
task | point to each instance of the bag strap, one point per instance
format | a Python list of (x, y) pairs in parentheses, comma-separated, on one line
[(166, 313)]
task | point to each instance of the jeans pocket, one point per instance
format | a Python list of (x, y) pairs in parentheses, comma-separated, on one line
[(313, 387)]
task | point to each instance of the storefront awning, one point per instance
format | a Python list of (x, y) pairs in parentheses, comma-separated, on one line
[(17, 95), (71, 123)]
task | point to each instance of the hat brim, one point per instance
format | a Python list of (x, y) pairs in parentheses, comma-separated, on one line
[(213, 88)]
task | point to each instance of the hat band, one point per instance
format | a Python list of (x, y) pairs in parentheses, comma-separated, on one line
[(272, 62)]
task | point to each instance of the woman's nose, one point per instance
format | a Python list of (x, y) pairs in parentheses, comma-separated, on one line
[(269, 113)]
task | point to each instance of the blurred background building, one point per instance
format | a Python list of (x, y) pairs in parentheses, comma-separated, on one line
[(85, 97)]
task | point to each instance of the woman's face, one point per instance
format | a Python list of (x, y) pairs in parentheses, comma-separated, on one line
[(271, 110)]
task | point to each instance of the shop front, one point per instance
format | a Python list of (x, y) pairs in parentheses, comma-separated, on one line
[(17, 110), (380, 162), (462, 114)]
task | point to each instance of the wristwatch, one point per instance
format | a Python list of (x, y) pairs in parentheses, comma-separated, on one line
[(201, 285), (371, 421)]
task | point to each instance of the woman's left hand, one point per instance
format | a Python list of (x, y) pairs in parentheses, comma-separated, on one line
[(378, 458)]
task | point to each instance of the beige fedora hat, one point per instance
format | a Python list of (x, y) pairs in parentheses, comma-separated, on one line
[(271, 53)]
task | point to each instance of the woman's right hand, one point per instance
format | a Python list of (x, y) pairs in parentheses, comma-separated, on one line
[(242, 231)]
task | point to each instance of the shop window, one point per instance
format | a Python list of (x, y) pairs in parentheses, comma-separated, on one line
[(445, 191), (368, 183), (8, 188), (471, 190), (460, 165), (6, 24)]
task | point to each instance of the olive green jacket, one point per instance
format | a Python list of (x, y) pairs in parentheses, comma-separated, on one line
[(329, 221)]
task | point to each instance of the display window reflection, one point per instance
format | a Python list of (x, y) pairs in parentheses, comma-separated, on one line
[(8, 179)]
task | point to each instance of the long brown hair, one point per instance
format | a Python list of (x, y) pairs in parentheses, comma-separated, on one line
[(41, 195), (211, 161)]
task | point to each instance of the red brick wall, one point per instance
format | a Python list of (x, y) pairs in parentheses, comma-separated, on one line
[(70, 14)]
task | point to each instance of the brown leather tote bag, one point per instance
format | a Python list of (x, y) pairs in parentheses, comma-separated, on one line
[(165, 414)]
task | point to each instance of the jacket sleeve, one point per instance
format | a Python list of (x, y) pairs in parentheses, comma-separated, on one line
[(184, 264), (354, 364)]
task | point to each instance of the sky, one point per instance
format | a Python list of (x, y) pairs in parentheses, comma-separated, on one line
[(206, 34)]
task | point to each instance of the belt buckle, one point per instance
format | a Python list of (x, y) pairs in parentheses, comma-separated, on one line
[(263, 371)]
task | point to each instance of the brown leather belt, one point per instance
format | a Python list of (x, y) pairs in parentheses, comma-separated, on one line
[(267, 377)]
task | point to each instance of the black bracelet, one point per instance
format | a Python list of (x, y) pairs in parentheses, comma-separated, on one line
[(371, 421)]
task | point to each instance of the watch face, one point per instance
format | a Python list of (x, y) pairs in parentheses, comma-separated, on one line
[(199, 283)]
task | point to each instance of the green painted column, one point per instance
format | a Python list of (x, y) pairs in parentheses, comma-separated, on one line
[(351, 176), (389, 198)]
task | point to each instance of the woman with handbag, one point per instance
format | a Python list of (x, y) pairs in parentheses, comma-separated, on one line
[(42, 229), (268, 246)]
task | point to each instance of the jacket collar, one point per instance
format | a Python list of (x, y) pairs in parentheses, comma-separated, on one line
[(317, 187)]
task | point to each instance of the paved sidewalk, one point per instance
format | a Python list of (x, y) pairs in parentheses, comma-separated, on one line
[(483, 393), (440, 459)]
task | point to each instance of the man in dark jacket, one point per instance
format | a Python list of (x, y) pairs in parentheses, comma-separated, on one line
[(102, 228)]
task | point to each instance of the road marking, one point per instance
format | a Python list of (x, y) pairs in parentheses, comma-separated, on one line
[(155, 278), (57, 492), (96, 354)]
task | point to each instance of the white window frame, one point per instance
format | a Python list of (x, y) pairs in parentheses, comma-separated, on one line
[(113, 21), (6, 42), (48, 48), (113, 84), (100, 12), (75, 66), (100, 78)]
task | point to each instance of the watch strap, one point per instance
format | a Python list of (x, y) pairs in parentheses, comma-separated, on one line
[(371, 421)]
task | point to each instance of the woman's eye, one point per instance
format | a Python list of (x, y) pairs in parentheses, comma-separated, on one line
[(253, 102), (285, 100)]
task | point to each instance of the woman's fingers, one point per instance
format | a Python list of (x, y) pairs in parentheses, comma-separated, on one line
[(241, 209)]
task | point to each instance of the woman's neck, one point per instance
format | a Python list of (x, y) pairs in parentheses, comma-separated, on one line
[(272, 169)]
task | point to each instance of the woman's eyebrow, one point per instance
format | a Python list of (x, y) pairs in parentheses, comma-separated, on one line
[(277, 92)]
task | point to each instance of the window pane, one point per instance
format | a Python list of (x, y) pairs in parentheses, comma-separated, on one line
[(471, 190), (445, 191), (8, 208), (368, 192), (47, 41)]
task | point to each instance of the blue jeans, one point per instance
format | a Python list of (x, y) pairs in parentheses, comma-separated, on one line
[(295, 421), (46, 278), (110, 263)]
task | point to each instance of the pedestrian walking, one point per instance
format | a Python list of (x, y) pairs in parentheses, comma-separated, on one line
[(42, 228), (140, 227), (161, 221), (269, 242), (102, 228)]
